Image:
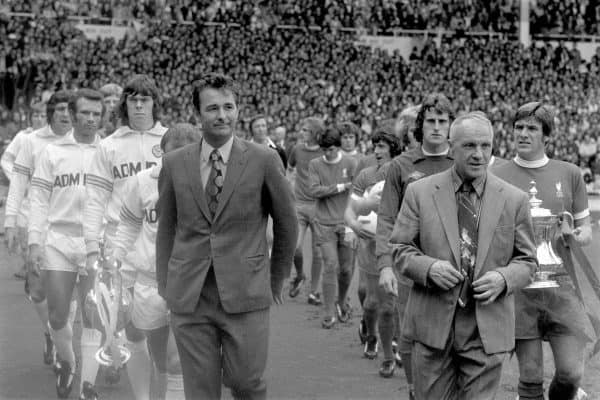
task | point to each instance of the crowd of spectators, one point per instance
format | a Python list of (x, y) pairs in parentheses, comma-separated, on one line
[(289, 74), (382, 16)]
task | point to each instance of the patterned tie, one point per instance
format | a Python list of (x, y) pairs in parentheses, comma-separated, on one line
[(467, 225), (214, 185)]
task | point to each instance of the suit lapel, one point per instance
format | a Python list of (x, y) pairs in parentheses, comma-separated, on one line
[(192, 168), (491, 210), (235, 166), (445, 202)]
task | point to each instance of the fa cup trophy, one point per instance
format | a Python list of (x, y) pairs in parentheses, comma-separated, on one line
[(545, 226), (110, 304)]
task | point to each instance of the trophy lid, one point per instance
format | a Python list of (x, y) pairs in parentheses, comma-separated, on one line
[(535, 203)]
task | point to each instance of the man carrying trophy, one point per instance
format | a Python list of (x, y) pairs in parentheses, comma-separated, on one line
[(550, 308)]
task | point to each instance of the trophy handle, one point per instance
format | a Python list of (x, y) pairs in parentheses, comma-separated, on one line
[(567, 222)]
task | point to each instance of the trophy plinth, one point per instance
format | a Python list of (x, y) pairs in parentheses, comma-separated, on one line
[(544, 226)]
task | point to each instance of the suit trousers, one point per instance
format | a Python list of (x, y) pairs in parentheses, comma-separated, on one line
[(462, 370), (214, 344)]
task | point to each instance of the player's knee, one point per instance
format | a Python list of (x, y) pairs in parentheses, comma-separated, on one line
[(173, 363), (386, 314), (133, 334), (245, 388), (37, 294), (567, 376), (57, 319)]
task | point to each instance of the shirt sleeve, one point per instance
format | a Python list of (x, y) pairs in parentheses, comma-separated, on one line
[(131, 218), (22, 170), (359, 185), (39, 195), (386, 215), (317, 188), (99, 187), (10, 154), (580, 201)]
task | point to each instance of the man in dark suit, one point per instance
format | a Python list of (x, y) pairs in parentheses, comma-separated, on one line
[(465, 239), (212, 257)]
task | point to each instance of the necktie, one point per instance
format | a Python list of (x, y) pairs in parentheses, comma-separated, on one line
[(467, 225), (214, 185)]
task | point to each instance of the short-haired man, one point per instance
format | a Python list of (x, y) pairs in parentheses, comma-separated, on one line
[(556, 315), (132, 148), (56, 244), (431, 131), (302, 154), (212, 260), (330, 179), (387, 146), (112, 94), (465, 239), (259, 131), (59, 123)]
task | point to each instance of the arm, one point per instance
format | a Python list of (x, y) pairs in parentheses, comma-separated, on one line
[(581, 212), (407, 256), (523, 262), (21, 175), (285, 224), (10, 154), (166, 208), (99, 187), (131, 218), (317, 189), (39, 195), (386, 215)]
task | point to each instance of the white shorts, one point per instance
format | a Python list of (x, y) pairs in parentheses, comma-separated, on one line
[(149, 309), (64, 253)]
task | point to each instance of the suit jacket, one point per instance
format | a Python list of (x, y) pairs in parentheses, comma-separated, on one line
[(426, 230), (189, 241)]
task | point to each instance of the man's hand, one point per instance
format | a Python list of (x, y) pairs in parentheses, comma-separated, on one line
[(388, 281), (444, 275), (582, 235), (350, 238), (11, 239), (90, 261), (489, 287), (277, 290)]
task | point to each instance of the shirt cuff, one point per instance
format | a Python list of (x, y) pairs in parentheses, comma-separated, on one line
[(340, 187), (35, 237), (10, 221), (91, 247)]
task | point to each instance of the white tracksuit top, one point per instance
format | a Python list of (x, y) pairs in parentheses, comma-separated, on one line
[(23, 169), (120, 156), (138, 224), (57, 192)]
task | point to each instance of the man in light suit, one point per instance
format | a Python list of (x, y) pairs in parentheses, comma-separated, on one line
[(212, 257), (465, 238)]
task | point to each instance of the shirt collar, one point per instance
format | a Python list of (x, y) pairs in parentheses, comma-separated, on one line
[(478, 184), (224, 150), (158, 129), (531, 164), (349, 153), (428, 154), (69, 138), (337, 159), (268, 141)]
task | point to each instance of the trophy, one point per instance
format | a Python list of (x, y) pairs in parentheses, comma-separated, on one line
[(545, 225), (110, 304)]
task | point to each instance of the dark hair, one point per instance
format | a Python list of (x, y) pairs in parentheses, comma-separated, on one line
[(62, 96), (434, 101), (254, 119), (213, 81), (331, 136), (144, 86), (385, 133), (540, 112), (88, 94), (181, 134), (349, 128)]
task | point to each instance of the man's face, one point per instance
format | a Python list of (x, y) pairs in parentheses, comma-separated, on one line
[(331, 152), (259, 130), (110, 102), (139, 109), (305, 134), (218, 113), (86, 120), (279, 134), (382, 152), (472, 149), (435, 128), (348, 142), (61, 119), (530, 139), (38, 119)]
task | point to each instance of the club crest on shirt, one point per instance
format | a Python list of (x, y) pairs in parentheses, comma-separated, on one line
[(157, 151), (559, 192), (415, 176), (344, 173)]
